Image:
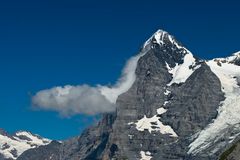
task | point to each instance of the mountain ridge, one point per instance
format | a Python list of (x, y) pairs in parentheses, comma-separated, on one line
[(176, 106), (13, 145)]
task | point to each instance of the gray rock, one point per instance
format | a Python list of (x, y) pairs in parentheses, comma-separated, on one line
[(48, 152)]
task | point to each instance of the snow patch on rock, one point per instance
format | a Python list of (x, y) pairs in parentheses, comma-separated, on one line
[(145, 155), (167, 92), (181, 72), (154, 124)]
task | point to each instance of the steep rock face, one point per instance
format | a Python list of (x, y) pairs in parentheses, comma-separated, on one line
[(174, 97), (193, 105), (91, 144), (190, 106)]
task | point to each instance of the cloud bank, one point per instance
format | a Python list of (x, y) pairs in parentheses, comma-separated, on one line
[(70, 100), (84, 99)]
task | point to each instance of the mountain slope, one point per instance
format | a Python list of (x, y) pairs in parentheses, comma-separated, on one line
[(176, 107), (225, 127), (11, 146)]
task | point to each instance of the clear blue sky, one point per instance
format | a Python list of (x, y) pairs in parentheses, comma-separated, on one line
[(49, 43)]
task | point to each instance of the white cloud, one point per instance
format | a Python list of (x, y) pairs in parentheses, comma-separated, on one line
[(84, 99), (70, 100), (124, 83)]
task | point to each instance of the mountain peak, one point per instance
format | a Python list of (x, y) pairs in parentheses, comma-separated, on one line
[(158, 37), (233, 59), (237, 54), (165, 41), (13, 145), (236, 58), (162, 37)]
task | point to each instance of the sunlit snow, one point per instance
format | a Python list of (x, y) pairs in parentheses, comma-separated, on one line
[(181, 72), (154, 124), (145, 155)]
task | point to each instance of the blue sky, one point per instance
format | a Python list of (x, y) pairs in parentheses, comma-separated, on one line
[(50, 43)]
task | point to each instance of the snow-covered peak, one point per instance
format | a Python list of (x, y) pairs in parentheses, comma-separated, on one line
[(231, 59), (162, 37), (158, 37), (32, 139), (128, 75), (237, 54), (12, 146)]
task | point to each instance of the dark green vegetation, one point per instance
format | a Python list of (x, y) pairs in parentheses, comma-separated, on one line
[(226, 153)]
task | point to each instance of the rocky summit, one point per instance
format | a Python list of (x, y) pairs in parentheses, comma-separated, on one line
[(179, 107)]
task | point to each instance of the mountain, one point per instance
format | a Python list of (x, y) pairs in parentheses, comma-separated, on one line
[(11, 146), (178, 107)]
